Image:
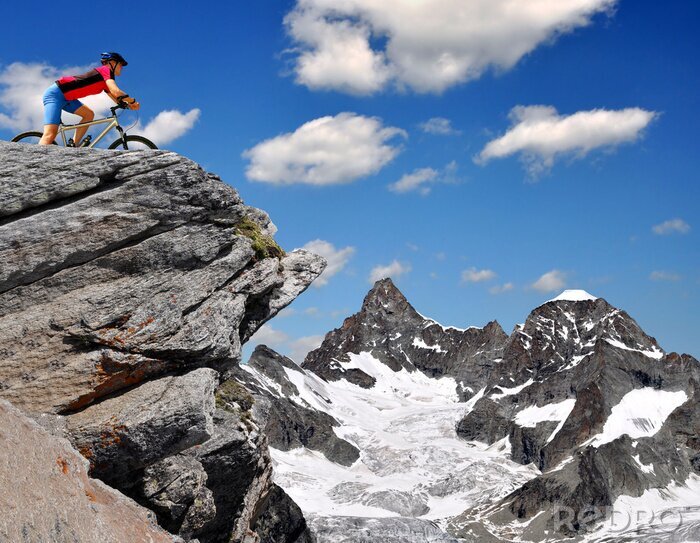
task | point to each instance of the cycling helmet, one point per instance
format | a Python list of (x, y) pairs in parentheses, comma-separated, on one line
[(113, 56)]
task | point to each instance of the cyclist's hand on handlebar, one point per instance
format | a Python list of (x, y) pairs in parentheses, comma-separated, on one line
[(134, 105)]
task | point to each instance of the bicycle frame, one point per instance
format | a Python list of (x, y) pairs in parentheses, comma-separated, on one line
[(113, 123)]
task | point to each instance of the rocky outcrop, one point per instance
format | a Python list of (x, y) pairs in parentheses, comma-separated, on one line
[(128, 282), (133, 430), (289, 421), (48, 496)]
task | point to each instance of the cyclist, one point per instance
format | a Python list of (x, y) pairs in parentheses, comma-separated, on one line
[(64, 94)]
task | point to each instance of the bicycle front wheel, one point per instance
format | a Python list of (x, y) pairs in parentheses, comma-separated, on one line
[(133, 142), (28, 137)]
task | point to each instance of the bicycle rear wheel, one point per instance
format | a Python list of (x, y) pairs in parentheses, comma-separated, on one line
[(133, 142), (28, 137)]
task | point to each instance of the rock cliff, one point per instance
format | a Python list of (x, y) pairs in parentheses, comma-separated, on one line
[(128, 282)]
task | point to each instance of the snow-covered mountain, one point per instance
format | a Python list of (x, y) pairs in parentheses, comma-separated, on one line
[(398, 429)]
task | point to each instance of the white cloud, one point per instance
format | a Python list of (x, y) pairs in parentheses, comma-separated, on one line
[(500, 289), (415, 181), (286, 313), (540, 135), (267, 335), (421, 179), (551, 281), (311, 311), (299, 348), (673, 226), (336, 259), (472, 275), (22, 86), (169, 125), (439, 126), (361, 46), (394, 270), (664, 276), (325, 151)]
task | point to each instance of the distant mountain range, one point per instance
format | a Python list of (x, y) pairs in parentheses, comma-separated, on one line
[(576, 426)]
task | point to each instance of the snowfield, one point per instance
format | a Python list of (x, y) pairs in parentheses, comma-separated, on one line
[(412, 464), (640, 413)]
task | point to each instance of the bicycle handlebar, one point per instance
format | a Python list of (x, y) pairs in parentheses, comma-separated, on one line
[(120, 105)]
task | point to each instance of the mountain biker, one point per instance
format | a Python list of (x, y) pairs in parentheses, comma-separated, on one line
[(64, 94)]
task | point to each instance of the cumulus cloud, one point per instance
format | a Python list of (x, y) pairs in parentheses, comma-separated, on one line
[(472, 275), (540, 135), (336, 258), (22, 86), (421, 180), (415, 181), (549, 282), (394, 270), (362, 46), (169, 125), (296, 349), (664, 276), (439, 126), (500, 289), (325, 151), (299, 348), (267, 335), (672, 226), (286, 313)]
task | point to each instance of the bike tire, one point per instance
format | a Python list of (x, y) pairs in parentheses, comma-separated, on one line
[(29, 136), (119, 144)]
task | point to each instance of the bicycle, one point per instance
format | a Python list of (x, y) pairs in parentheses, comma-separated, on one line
[(139, 142)]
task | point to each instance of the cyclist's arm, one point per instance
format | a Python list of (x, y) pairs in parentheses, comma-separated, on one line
[(115, 92)]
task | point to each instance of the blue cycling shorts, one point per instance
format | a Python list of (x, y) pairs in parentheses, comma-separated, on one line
[(54, 102)]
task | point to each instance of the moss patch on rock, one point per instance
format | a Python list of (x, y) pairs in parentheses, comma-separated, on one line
[(264, 246), (230, 392)]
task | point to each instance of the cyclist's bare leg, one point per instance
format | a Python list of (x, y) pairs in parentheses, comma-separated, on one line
[(86, 115), (50, 133)]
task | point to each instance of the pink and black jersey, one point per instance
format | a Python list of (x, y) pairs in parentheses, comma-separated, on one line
[(79, 86)]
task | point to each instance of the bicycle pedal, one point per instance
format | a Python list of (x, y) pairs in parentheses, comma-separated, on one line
[(86, 141), (70, 143)]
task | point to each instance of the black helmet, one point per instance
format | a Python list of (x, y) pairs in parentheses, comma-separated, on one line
[(113, 56)]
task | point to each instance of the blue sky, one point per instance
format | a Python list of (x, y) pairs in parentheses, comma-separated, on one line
[(598, 190)]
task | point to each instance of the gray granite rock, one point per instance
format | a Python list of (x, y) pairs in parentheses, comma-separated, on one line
[(48, 496), (128, 281), (137, 428), (118, 267)]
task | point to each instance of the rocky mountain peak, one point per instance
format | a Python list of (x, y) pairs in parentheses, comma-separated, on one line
[(385, 298), (388, 327), (560, 333), (574, 295)]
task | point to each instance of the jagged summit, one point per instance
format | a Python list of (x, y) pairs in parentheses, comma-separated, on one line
[(389, 328), (573, 295)]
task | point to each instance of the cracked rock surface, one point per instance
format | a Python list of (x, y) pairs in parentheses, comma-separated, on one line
[(128, 282)]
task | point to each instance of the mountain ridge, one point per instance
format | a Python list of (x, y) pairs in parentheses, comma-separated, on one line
[(560, 396)]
